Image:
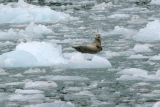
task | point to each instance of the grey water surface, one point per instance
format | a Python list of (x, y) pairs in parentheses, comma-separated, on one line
[(88, 87)]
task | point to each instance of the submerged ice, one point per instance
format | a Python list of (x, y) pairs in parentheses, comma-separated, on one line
[(22, 12), (47, 54)]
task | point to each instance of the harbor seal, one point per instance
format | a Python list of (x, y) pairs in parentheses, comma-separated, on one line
[(92, 48)]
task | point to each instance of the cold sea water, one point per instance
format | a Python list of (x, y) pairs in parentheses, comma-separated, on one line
[(39, 67)]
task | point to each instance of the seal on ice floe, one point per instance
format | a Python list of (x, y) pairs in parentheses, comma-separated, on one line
[(92, 48)]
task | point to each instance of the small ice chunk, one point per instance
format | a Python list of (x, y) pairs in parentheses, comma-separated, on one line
[(157, 2), (155, 58), (141, 48), (55, 104), (150, 33), (20, 91), (17, 75), (110, 54), (31, 31), (119, 16), (78, 61), (132, 74), (64, 78), (122, 31), (22, 12), (157, 104), (103, 6), (139, 56), (40, 84), (27, 98), (2, 72), (35, 71)]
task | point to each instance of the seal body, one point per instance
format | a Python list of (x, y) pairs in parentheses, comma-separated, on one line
[(92, 48)]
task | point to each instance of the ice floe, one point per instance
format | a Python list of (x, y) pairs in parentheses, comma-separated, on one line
[(47, 54), (39, 85), (64, 78), (128, 33), (157, 104), (157, 2), (20, 91), (54, 104), (155, 58), (22, 12), (150, 33), (2, 72), (139, 48), (138, 74), (35, 71), (103, 6), (27, 98), (31, 31), (119, 16), (138, 56)]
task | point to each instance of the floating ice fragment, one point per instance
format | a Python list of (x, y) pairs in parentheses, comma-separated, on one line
[(27, 98), (31, 31), (34, 71), (64, 78), (2, 72), (157, 2), (132, 74), (55, 104), (47, 54), (141, 48), (138, 74), (119, 16), (155, 58), (150, 33), (157, 104), (103, 6), (138, 56), (20, 91), (40, 84), (22, 12), (122, 31)]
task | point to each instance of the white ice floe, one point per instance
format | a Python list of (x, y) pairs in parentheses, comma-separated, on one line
[(16, 75), (31, 31), (138, 56), (22, 12), (40, 85), (54, 104), (157, 104), (140, 48), (64, 78), (27, 98), (157, 2), (138, 74), (2, 72), (20, 91), (150, 33), (47, 54), (35, 71), (103, 6), (119, 16), (128, 33), (110, 54), (155, 58)]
